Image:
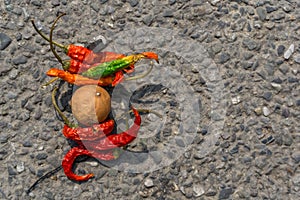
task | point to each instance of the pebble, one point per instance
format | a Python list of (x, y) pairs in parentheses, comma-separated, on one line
[(296, 156), (298, 102), (266, 111), (55, 3), (280, 50), (133, 3), (268, 140), (293, 79), (289, 51), (211, 192), (11, 171), (225, 193), (198, 190), (13, 74), (41, 156), (19, 60), (5, 40), (261, 12), (27, 143), (224, 57), (216, 48), (20, 167), (270, 9), (276, 86), (250, 44), (148, 20), (148, 183), (284, 68), (285, 112), (287, 140), (236, 100), (297, 58), (168, 13), (258, 111), (268, 96)]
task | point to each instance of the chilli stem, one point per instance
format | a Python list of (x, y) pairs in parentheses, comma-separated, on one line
[(51, 43), (45, 37), (59, 111)]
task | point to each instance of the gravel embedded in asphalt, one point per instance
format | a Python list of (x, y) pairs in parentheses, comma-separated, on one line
[(239, 60)]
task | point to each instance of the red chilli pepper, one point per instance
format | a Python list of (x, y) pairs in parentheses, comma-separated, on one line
[(96, 132), (120, 139), (71, 156), (85, 55)]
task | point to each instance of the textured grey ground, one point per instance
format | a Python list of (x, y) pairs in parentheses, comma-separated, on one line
[(241, 60)]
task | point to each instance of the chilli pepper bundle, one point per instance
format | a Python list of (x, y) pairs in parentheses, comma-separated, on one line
[(86, 67), (93, 65)]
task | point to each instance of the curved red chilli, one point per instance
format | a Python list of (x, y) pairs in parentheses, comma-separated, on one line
[(95, 132), (71, 156), (117, 140)]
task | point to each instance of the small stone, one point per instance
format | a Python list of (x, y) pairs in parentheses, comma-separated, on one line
[(287, 8), (211, 192), (95, 6), (297, 58), (296, 156), (149, 183), (38, 114), (276, 86), (280, 50), (148, 19), (283, 68), (224, 57), (198, 190), (277, 80), (266, 111), (250, 44), (12, 95), (19, 60), (298, 102), (234, 150), (258, 111), (55, 3), (3, 138), (133, 3), (225, 193), (168, 13), (41, 156), (270, 9), (285, 112), (214, 2), (296, 179), (93, 163), (27, 143), (36, 3), (216, 48), (287, 140), (289, 51), (292, 79), (171, 2), (4, 41), (268, 140), (20, 167), (236, 100), (261, 12), (268, 96), (11, 171), (248, 55)]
